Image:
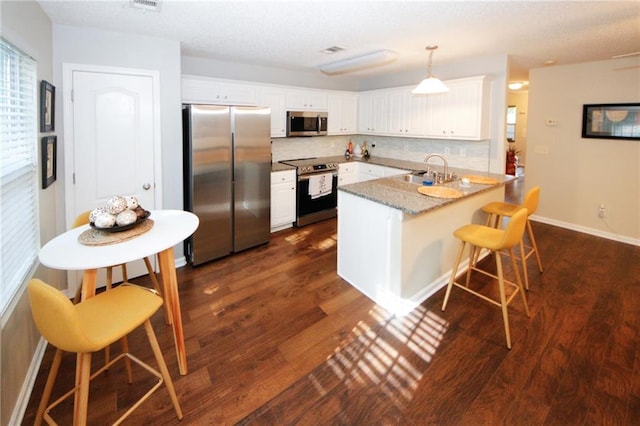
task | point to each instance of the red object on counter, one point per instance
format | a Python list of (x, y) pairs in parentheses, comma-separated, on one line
[(350, 148)]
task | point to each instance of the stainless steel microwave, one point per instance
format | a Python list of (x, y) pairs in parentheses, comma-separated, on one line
[(306, 123)]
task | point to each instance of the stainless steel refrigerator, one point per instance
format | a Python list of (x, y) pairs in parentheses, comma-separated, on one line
[(227, 169)]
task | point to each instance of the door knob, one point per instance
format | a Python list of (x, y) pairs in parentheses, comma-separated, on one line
[(146, 186)]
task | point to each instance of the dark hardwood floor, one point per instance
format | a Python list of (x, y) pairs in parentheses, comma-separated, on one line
[(274, 336)]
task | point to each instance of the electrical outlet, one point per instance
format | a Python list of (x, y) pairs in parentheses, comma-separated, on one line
[(447, 150), (602, 211), (463, 152)]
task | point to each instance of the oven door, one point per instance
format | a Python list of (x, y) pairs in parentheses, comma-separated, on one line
[(310, 210)]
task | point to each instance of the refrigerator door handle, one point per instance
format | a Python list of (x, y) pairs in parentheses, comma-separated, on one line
[(233, 158)]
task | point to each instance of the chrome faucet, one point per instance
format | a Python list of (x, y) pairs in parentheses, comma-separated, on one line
[(446, 165)]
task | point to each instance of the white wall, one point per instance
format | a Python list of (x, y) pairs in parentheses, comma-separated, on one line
[(577, 174), (25, 25), (521, 101), (263, 74), (95, 47)]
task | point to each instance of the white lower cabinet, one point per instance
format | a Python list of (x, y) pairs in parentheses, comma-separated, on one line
[(392, 171), (370, 172), (360, 172), (283, 199), (347, 173)]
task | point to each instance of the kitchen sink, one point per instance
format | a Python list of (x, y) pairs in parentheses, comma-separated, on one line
[(418, 177)]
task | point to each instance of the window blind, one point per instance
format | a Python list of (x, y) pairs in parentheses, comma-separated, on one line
[(19, 230)]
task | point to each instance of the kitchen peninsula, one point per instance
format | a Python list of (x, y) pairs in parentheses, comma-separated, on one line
[(396, 245)]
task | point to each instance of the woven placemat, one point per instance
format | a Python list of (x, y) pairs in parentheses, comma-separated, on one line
[(96, 237), (482, 180), (439, 192)]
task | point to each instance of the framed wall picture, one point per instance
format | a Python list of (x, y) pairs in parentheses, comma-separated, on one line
[(48, 160), (611, 121), (47, 106)]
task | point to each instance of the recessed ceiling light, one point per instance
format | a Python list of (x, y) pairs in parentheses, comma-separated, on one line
[(332, 49), (549, 62)]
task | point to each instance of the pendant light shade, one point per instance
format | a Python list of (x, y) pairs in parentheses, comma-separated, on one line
[(430, 84)]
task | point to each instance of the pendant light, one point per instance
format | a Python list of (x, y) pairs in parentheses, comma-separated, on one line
[(430, 84)]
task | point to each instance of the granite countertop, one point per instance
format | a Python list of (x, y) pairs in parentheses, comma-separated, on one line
[(279, 167), (409, 166), (396, 192)]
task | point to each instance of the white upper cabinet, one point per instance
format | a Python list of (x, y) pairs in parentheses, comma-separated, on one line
[(343, 114), (274, 98), (407, 113), (306, 100), (461, 113), (372, 112), (196, 89)]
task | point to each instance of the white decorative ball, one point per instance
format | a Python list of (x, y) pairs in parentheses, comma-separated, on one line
[(126, 217), (95, 212), (116, 204), (132, 202), (105, 220)]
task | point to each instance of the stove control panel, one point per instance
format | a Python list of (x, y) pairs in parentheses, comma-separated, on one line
[(317, 168)]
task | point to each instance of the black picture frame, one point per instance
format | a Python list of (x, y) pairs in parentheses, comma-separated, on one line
[(48, 160), (611, 121), (47, 106)]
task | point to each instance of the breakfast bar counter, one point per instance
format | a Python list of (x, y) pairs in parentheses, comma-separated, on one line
[(396, 245)]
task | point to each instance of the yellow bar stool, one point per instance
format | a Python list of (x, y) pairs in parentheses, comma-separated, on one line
[(497, 210), (494, 240), (89, 326)]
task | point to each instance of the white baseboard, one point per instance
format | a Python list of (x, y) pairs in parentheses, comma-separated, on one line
[(180, 261), (27, 386), (587, 230)]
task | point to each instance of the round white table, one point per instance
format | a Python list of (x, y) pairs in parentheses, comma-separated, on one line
[(170, 227)]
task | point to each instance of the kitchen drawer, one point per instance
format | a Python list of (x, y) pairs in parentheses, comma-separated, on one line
[(283, 176)]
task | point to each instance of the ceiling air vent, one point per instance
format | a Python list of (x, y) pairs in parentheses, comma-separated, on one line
[(150, 5), (332, 49)]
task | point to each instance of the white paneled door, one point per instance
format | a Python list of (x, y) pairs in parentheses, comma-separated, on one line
[(111, 149)]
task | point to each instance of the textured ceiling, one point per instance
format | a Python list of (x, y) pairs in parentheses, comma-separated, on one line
[(291, 34)]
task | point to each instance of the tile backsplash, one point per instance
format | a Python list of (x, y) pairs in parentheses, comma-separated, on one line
[(473, 155)]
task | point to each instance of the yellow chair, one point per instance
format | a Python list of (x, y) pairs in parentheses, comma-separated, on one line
[(494, 240), (497, 210), (83, 219), (89, 326)]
